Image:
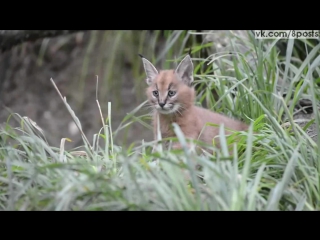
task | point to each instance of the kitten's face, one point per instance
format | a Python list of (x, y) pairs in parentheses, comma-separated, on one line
[(169, 91), (169, 95)]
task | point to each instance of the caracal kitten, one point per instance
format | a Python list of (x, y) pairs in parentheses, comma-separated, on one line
[(172, 97)]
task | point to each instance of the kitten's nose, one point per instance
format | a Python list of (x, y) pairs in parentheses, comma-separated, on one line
[(161, 104)]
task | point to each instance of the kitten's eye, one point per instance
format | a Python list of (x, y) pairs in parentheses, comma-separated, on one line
[(171, 93), (155, 93)]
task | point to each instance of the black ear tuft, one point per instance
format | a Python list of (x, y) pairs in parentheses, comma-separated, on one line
[(189, 53), (141, 55)]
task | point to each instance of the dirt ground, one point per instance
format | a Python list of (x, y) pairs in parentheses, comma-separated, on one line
[(26, 88)]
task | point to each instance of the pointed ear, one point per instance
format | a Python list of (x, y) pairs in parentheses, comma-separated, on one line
[(150, 70), (185, 70)]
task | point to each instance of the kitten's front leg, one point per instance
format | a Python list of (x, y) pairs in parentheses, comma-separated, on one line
[(154, 148)]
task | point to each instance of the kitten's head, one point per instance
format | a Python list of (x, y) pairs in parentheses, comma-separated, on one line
[(170, 91)]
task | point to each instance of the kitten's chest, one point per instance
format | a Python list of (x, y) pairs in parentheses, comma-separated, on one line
[(166, 127), (167, 131)]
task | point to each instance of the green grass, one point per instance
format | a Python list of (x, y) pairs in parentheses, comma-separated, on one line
[(274, 166)]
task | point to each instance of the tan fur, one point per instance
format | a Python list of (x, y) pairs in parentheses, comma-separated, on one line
[(190, 118)]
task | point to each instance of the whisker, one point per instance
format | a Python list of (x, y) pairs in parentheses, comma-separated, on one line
[(151, 108), (179, 112), (182, 107), (147, 106)]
